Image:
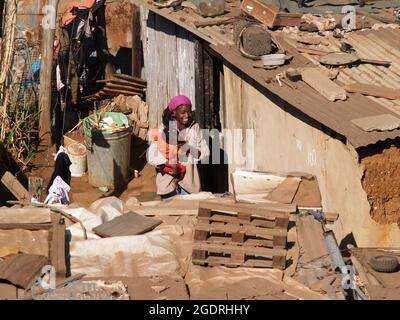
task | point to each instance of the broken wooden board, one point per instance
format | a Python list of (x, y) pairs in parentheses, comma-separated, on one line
[(321, 83), (128, 224), (373, 90), (308, 194), (22, 269), (285, 191), (383, 122), (15, 187), (24, 215), (311, 239)]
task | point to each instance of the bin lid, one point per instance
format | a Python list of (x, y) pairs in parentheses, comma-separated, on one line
[(105, 123)]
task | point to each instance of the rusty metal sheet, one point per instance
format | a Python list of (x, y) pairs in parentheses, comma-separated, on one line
[(306, 104)]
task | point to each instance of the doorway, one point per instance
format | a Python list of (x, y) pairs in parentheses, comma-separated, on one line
[(208, 71)]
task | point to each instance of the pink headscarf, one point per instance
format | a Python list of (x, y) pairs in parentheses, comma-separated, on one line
[(177, 101)]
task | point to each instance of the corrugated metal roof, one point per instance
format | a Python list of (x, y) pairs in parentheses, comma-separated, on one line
[(383, 44)]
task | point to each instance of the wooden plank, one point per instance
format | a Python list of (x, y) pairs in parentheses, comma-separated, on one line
[(226, 261), (15, 187), (24, 215), (231, 248), (128, 224), (8, 291), (373, 90), (129, 78), (26, 226), (279, 262), (21, 269), (312, 51), (321, 83), (164, 211), (8, 251), (331, 216), (311, 239), (249, 230), (308, 194), (27, 241), (122, 87), (46, 69), (136, 45), (114, 80), (57, 244), (232, 219), (285, 191), (115, 92), (270, 210), (247, 242)]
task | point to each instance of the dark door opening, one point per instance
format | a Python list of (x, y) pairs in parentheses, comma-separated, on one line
[(208, 68)]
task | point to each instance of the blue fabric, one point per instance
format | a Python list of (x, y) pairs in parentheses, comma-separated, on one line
[(36, 67)]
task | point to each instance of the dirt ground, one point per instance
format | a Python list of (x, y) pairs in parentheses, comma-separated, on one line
[(83, 194), (382, 183)]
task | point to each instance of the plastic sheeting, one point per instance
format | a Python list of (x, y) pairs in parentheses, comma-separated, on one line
[(152, 254)]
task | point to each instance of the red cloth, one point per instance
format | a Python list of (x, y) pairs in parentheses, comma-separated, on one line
[(170, 170)]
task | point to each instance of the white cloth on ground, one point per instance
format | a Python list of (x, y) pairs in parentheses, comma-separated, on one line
[(58, 192)]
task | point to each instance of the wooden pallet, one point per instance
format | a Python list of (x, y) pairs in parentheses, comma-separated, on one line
[(240, 235)]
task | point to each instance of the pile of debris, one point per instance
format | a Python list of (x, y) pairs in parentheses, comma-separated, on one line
[(136, 249)]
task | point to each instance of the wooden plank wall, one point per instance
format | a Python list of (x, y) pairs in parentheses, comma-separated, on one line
[(169, 63)]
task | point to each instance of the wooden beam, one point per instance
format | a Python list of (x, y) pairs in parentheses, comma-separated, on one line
[(46, 72), (136, 43), (373, 90), (24, 215), (15, 187)]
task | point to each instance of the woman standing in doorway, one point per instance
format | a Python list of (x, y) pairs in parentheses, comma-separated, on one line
[(175, 149)]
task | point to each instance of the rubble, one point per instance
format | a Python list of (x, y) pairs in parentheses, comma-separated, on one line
[(271, 238)]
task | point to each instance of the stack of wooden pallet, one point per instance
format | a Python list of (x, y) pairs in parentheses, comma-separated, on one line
[(119, 84), (241, 235)]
